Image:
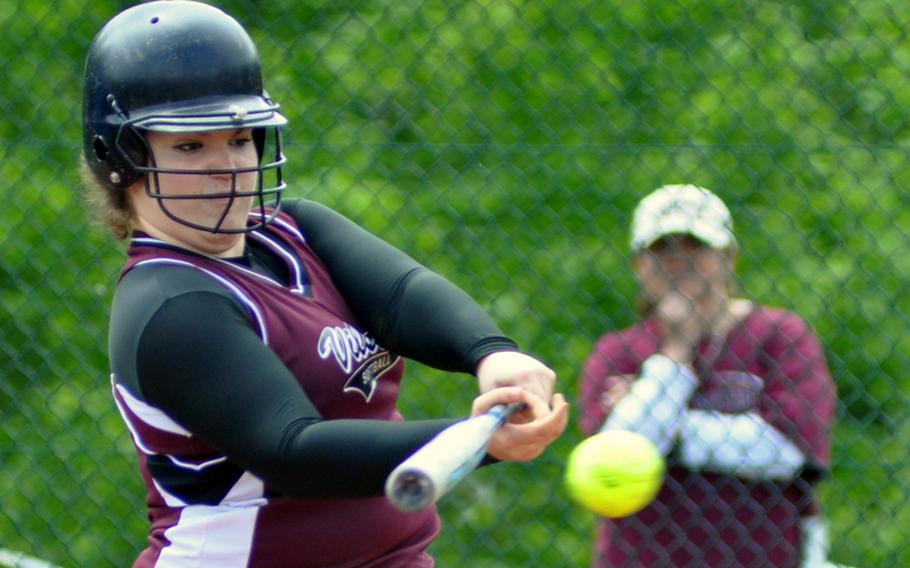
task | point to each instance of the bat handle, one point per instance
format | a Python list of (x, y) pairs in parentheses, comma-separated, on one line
[(505, 413)]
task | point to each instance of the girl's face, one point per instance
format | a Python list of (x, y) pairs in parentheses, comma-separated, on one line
[(211, 192), (683, 264)]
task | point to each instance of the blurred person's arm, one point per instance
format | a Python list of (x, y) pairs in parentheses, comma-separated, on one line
[(656, 406), (658, 400), (744, 445), (656, 403), (603, 382), (801, 396)]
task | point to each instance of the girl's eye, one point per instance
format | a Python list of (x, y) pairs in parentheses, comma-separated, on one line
[(188, 146), (240, 142)]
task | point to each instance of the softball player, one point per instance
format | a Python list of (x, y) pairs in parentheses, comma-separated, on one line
[(737, 396), (257, 346)]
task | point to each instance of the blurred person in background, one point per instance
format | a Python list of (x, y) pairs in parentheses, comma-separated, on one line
[(737, 397), (257, 351)]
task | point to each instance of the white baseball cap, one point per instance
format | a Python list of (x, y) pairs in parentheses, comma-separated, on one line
[(682, 209)]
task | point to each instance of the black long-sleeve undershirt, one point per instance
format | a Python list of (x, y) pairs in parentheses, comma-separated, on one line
[(182, 343), (408, 308)]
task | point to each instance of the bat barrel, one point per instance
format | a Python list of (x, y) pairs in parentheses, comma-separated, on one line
[(442, 462), (410, 490)]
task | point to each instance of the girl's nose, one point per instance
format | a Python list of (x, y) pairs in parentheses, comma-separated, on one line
[(675, 260), (222, 159)]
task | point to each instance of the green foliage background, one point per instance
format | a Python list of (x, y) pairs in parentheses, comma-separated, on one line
[(503, 143)]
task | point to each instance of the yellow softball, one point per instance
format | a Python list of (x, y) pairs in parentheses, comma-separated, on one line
[(615, 473)]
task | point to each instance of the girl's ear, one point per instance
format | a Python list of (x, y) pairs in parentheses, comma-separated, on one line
[(732, 255), (639, 265)]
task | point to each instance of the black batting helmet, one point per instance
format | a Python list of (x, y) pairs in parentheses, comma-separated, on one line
[(175, 66)]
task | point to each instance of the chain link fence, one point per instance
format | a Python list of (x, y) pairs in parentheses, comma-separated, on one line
[(504, 143)]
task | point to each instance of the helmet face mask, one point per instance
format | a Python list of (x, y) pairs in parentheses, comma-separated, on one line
[(266, 197), (178, 67)]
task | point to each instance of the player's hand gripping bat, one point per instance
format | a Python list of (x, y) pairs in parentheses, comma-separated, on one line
[(423, 478)]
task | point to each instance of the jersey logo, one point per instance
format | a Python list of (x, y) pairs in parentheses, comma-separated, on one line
[(350, 347)]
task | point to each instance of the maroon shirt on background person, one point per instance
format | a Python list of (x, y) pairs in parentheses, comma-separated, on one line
[(705, 519)]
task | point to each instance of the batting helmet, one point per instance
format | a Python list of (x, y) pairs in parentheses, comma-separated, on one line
[(175, 66)]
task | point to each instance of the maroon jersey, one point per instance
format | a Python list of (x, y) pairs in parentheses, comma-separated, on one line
[(699, 518), (346, 374)]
